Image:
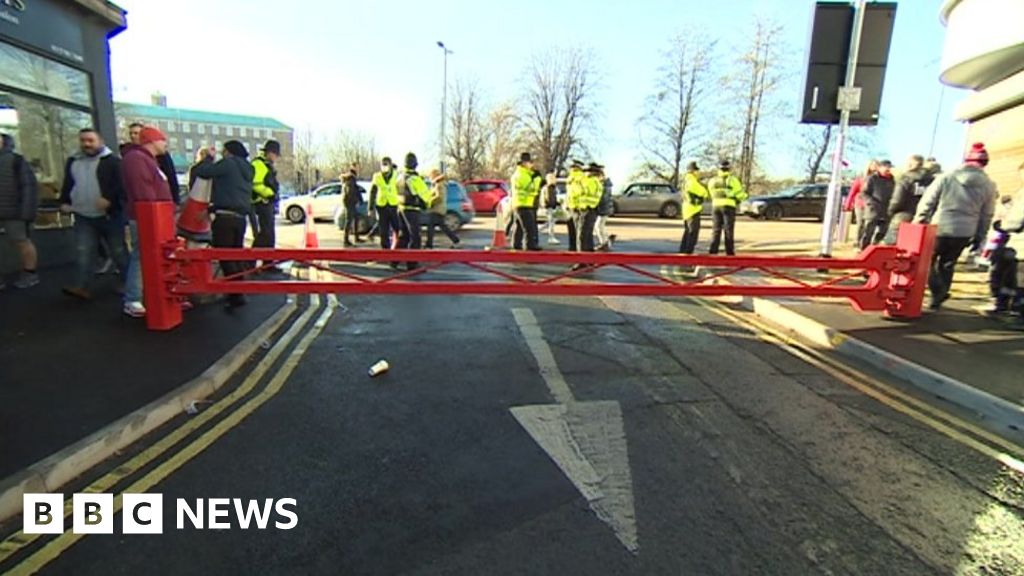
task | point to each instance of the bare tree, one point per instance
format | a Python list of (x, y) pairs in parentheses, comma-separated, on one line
[(351, 148), (669, 121), (467, 136), (505, 139), (759, 73), (306, 159), (818, 144), (558, 104)]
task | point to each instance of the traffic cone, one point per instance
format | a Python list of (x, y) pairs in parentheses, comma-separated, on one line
[(499, 241), (194, 220), (311, 239)]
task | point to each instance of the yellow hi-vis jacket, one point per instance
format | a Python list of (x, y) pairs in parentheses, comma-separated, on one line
[(261, 193), (694, 196), (726, 190), (387, 190), (415, 192), (593, 189), (573, 188), (525, 188)]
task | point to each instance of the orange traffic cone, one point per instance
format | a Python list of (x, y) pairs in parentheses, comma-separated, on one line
[(194, 220), (311, 239), (499, 241)]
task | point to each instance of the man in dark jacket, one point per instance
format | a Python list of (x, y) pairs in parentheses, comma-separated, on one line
[(165, 162), (143, 182), (230, 202), (19, 200), (877, 195), (93, 191), (352, 197), (909, 189)]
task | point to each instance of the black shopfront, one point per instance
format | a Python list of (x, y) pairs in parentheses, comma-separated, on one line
[(54, 81)]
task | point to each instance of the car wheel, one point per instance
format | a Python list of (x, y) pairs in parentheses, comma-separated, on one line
[(296, 215), (773, 212), (669, 210), (453, 221)]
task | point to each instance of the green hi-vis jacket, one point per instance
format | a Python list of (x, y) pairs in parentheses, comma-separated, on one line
[(695, 195), (726, 190)]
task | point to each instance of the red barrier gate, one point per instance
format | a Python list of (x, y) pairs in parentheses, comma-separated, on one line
[(889, 279)]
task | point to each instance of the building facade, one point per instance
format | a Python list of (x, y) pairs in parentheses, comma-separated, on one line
[(54, 81), (984, 52), (189, 130)]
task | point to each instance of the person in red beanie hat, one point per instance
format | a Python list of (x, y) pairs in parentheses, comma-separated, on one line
[(143, 182), (962, 204)]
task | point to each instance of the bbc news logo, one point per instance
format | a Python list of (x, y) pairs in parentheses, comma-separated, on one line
[(144, 514)]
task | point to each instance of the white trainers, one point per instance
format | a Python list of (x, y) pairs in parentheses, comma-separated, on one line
[(554, 241), (135, 309)]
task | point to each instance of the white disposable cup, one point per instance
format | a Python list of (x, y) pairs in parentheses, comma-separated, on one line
[(379, 368)]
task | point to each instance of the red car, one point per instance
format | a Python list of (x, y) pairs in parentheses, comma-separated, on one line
[(485, 194)]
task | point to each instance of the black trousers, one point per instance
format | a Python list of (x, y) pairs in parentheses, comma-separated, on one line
[(265, 234), (527, 228), (724, 223), (435, 221), (229, 232), (585, 222), (409, 237), (691, 234), (388, 223), (873, 232), (940, 280), (351, 223), (573, 233)]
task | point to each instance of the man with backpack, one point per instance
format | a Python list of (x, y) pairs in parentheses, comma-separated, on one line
[(19, 200)]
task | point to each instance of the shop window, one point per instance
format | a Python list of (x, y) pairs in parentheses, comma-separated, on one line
[(26, 71), (45, 134)]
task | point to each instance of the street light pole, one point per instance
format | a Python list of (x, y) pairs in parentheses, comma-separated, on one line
[(444, 103)]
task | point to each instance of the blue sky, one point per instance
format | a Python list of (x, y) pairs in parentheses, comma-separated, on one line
[(374, 67)]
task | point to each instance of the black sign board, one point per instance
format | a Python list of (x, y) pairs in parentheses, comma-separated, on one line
[(51, 26), (828, 56)]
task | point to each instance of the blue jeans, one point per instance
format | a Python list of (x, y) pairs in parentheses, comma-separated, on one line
[(89, 232), (133, 277)]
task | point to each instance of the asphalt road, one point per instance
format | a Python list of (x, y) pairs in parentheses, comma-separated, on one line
[(546, 436)]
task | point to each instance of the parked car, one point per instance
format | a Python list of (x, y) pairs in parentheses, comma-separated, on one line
[(459, 211), (325, 201), (485, 194), (801, 201), (648, 198)]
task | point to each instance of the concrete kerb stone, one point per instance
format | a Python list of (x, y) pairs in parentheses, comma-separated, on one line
[(1005, 415), (49, 474)]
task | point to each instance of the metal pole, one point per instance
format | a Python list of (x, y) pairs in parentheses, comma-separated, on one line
[(845, 107), (935, 127), (444, 105)]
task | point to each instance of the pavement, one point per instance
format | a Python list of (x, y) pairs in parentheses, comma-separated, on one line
[(69, 368)]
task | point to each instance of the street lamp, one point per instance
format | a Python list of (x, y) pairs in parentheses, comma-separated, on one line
[(444, 101)]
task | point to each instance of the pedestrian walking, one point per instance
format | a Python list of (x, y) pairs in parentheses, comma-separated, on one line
[(526, 184), (550, 195), (604, 211), (265, 189), (384, 196), (143, 182), (877, 194), (164, 160), (855, 202), (351, 197), (574, 191), (909, 189), (695, 195), (962, 204), (726, 193), (439, 209), (413, 197), (19, 202), (1007, 269), (230, 203)]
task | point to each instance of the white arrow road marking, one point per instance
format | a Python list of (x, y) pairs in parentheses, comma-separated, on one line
[(587, 440)]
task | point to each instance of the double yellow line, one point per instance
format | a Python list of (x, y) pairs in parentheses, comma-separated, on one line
[(58, 545), (983, 441)]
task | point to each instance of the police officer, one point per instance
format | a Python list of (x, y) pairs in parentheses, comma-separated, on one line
[(695, 195), (413, 197), (586, 208), (384, 195), (574, 191), (726, 194), (526, 184), (264, 194)]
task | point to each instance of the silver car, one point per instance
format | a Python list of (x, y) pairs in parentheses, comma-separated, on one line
[(649, 198)]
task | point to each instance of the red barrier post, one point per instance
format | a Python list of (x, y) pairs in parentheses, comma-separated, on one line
[(159, 273), (916, 243)]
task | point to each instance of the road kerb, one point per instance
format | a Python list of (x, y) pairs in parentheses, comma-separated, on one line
[(49, 474), (1001, 413)]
